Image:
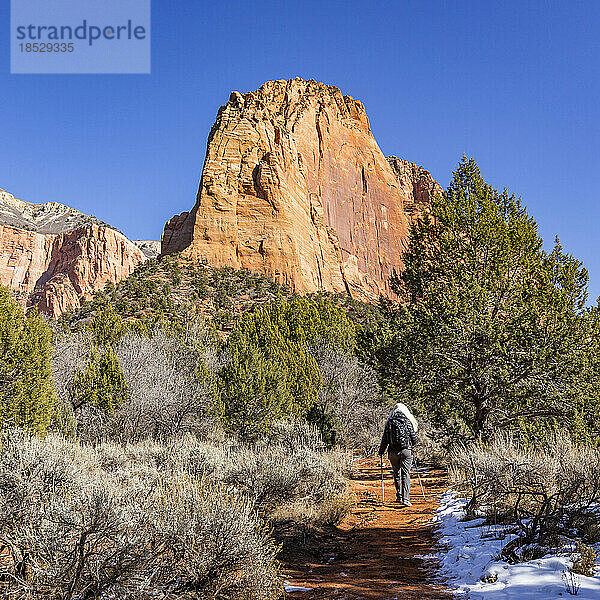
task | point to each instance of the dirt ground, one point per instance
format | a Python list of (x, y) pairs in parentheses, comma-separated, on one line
[(376, 553)]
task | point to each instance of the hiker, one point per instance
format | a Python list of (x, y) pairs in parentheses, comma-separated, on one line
[(399, 436)]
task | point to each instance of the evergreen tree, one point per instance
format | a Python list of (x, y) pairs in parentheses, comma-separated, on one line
[(270, 375), (493, 333), (26, 394), (107, 326), (101, 382)]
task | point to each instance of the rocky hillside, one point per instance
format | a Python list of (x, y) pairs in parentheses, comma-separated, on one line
[(295, 186), (54, 257), (50, 217), (172, 289)]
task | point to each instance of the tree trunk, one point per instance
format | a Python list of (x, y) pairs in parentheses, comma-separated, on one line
[(481, 415)]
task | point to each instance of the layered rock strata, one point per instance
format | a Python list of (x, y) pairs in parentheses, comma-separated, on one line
[(54, 257), (294, 185)]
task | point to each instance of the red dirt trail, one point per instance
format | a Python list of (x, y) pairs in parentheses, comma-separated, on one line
[(374, 553)]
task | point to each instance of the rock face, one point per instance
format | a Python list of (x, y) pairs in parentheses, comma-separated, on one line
[(53, 256), (150, 248), (294, 185), (416, 182)]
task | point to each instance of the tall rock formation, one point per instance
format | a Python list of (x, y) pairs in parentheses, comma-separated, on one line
[(53, 256), (294, 185)]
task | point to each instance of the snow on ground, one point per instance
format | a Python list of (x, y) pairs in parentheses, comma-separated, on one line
[(289, 588), (470, 553)]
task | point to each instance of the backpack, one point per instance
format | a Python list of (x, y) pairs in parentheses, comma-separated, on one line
[(399, 437)]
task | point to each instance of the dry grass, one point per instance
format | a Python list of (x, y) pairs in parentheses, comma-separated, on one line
[(185, 519), (548, 493)]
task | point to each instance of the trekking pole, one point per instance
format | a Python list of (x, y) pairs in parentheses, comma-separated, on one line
[(382, 486), (419, 476)]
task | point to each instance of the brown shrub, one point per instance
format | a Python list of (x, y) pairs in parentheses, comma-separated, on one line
[(351, 397), (584, 560), (546, 492)]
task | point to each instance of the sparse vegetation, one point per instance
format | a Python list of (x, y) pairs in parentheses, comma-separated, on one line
[(571, 581), (349, 408), (167, 290), (546, 494)]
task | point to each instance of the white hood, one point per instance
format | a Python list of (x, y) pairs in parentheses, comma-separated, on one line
[(403, 409)]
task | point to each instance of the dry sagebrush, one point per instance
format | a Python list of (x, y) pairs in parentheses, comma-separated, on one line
[(183, 519), (549, 493)]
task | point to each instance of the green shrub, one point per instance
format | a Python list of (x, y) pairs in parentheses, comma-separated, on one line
[(270, 375), (26, 393), (100, 383), (107, 326)]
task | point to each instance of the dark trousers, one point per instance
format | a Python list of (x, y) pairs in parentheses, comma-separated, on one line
[(401, 464)]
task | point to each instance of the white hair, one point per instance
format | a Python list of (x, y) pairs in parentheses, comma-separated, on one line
[(403, 409)]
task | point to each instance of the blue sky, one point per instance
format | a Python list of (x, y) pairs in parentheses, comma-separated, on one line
[(514, 84)]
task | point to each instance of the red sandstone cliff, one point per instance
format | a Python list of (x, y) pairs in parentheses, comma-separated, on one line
[(294, 185), (53, 256)]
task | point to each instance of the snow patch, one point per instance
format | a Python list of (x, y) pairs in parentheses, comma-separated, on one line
[(288, 588), (471, 555), (426, 556)]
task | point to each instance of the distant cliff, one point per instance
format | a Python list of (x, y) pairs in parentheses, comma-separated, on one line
[(53, 256), (294, 185)]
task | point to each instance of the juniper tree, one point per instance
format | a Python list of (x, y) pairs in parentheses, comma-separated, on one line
[(100, 382), (493, 332), (107, 327), (270, 375), (26, 395)]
